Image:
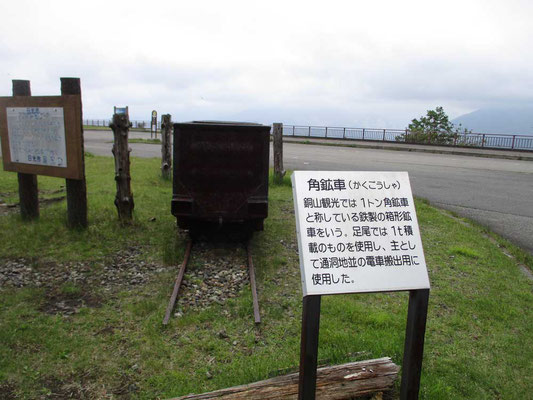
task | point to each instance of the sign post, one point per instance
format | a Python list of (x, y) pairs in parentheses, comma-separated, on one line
[(77, 187), (358, 233), (153, 124), (28, 187), (309, 347)]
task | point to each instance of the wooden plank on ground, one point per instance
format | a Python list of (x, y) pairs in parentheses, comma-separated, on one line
[(346, 381)]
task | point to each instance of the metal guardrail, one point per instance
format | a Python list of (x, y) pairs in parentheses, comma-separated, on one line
[(135, 123), (479, 140)]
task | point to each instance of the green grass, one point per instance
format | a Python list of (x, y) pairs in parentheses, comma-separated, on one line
[(479, 341), (96, 128), (147, 141)]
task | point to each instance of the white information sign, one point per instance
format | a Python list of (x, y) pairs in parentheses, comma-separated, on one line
[(37, 135), (357, 232)]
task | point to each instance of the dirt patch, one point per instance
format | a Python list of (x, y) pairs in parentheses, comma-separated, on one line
[(85, 387), (57, 389), (7, 390), (14, 208), (81, 387), (58, 302), (125, 388), (6, 209)]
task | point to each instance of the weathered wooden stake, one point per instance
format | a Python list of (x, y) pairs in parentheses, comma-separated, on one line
[(28, 190), (76, 188), (166, 159), (279, 173), (124, 199)]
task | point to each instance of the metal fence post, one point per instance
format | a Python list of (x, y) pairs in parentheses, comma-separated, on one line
[(383, 135), (363, 133), (483, 141), (326, 131), (344, 133), (293, 130), (512, 144), (309, 132)]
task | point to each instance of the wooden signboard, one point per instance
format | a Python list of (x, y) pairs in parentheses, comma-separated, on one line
[(41, 135), (358, 233)]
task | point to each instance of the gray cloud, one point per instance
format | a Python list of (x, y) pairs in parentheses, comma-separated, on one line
[(344, 63)]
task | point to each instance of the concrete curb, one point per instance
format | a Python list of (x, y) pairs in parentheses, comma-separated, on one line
[(412, 148)]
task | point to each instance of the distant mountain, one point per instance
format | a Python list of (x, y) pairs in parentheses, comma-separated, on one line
[(514, 120)]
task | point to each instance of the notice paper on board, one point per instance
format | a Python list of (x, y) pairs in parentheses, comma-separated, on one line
[(37, 135), (357, 232)]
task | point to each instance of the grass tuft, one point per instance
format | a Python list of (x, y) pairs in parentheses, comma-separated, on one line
[(464, 251)]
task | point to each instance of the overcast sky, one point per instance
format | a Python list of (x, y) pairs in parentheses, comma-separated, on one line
[(352, 63)]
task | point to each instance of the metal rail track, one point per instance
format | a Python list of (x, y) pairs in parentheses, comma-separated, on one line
[(181, 273)]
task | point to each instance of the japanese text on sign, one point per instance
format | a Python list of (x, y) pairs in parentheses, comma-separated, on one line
[(37, 135), (357, 232)]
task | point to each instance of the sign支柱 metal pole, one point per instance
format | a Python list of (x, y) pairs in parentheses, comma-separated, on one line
[(309, 347), (414, 343)]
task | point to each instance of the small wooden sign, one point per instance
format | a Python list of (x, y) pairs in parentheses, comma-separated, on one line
[(41, 135)]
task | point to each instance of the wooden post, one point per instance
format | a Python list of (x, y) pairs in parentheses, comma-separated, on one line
[(309, 347), (166, 159), (279, 173), (76, 188), (28, 189), (414, 343), (124, 198)]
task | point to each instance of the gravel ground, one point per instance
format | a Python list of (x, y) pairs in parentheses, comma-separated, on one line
[(216, 272), (124, 269)]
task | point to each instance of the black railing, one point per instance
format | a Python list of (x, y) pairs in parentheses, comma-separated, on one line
[(134, 123), (480, 140)]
